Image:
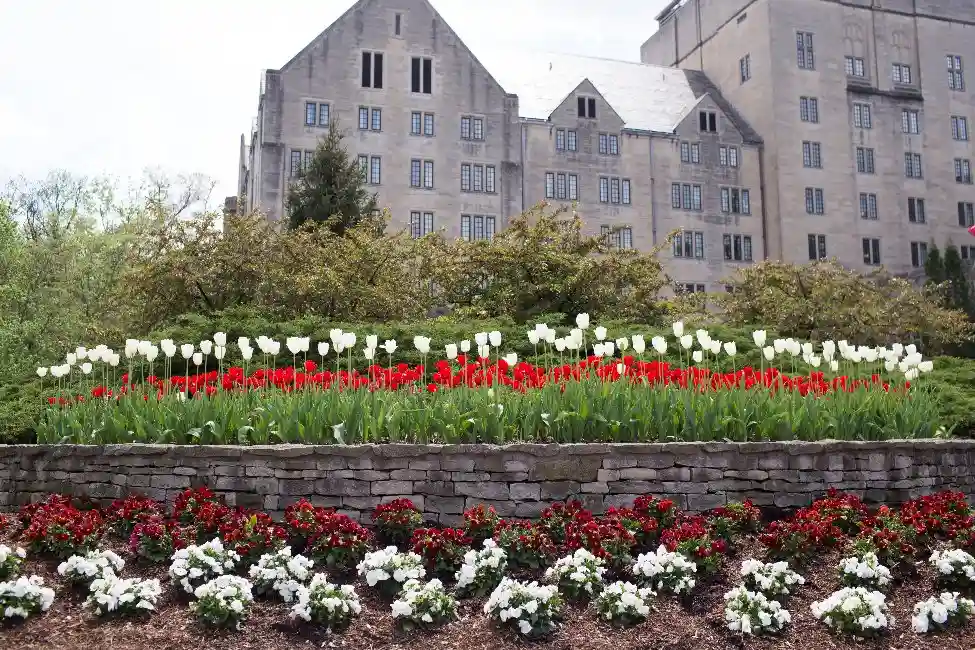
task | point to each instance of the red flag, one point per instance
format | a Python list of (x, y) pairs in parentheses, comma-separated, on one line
[(971, 231)]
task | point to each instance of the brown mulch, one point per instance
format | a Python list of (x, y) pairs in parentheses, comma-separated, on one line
[(696, 625)]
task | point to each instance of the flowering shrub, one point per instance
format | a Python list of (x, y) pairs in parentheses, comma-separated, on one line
[(442, 550), (481, 571), (579, 576), (210, 519), (388, 569), (644, 528), (773, 579), (662, 510), (252, 536), (156, 539), (526, 544), (530, 608), (666, 571), (424, 605), (854, 610), (864, 571), (28, 511), (280, 572), (844, 511), (189, 501), (888, 537), (751, 612), (10, 561), (956, 568), (126, 513), (326, 604), (111, 594), (6, 521), (691, 537), (223, 601), (943, 515), (734, 520), (25, 596), (480, 522), (557, 517), (341, 544), (305, 522), (795, 539), (941, 612), (82, 569), (58, 528), (395, 521), (197, 564), (607, 539), (624, 603)]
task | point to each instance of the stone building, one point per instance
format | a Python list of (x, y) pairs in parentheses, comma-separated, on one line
[(458, 143), (864, 109)]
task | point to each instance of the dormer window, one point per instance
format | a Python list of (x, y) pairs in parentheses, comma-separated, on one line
[(708, 121), (587, 107)]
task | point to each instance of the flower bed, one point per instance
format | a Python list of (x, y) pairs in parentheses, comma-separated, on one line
[(584, 384), (491, 602)]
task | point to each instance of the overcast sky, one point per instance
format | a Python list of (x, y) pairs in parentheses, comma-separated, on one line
[(115, 86)]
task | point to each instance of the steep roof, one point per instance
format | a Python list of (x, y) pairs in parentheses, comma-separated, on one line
[(647, 97)]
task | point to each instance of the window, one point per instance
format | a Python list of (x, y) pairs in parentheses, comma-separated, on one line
[(865, 160), (398, 26), (735, 200), (689, 244), (728, 156), (549, 185), (573, 187), (307, 162), (626, 238), (363, 118), (910, 122), (626, 191), (375, 168), (475, 227), (428, 124), (560, 186), (919, 253), (296, 158), (416, 123), (815, 202), (587, 107), (912, 165), (489, 179), (861, 116), (377, 119), (471, 128), (855, 67), (959, 127), (871, 251), (956, 74), (809, 109), (560, 139), (311, 113), (603, 189), (614, 190), (614, 145), (915, 210), (967, 252), (745, 68), (963, 171), (812, 155), (421, 75), (696, 197), (817, 247), (421, 223), (478, 178), (416, 176), (573, 140), (868, 206), (690, 153), (323, 115), (428, 174), (690, 287), (804, 51), (603, 143), (686, 196), (621, 239), (465, 177), (737, 248), (966, 214), (364, 166), (372, 70), (901, 73), (708, 121)]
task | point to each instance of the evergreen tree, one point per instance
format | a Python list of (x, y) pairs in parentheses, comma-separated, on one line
[(934, 266), (331, 190), (959, 287)]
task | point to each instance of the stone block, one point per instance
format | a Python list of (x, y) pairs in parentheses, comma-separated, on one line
[(457, 464), (341, 487), (408, 475), (558, 490), (470, 476), (706, 474), (525, 491), (164, 482), (425, 464), (185, 471), (360, 503), (607, 475), (296, 487), (674, 474), (774, 461), (443, 504), (633, 487), (530, 509), (704, 502), (392, 487), (634, 473), (618, 462), (570, 468), (440, 488), (594, 488), (483, 490), (367, 475)]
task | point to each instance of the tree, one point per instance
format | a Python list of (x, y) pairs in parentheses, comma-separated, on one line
[(934, 267), (959, 290), (331, 190)]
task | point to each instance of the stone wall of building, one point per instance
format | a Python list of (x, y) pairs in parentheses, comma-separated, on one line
[(518, 480)]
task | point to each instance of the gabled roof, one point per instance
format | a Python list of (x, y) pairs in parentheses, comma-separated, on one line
[(647, 97)]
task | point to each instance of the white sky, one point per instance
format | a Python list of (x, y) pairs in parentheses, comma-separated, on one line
[(116, 86)]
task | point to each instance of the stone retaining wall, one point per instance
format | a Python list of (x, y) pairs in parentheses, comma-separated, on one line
[(518, 480)]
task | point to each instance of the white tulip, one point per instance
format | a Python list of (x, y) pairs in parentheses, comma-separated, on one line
[(94, 355), (186, 350), (219, 352), (42, 372), (659, 344), (925, 366), (169, 351), (451, 349), (242, 342), (829, 348), (220, 338), (369, 353), (150, 356), (730, 348), (758, 336), (389, 345), (686, 341), (678, 328), (422, 344), (559, 345), (897, 348), (911, 374), (465, 346), (323, 348), (622, 343), (715, 347), (348, 339), (703, 338), (372, 341), (247, 352), (814, 361), (495, 338), (600, 333), (481, 338), (910, 349), (533, 337), (779, 346), (550, 336), (698, 356), (274, 347), (81, 351), (142, 348), (582, 321), (834, 365), (807, 348), (335, 335), (198, 358), (71, 358), (86, 368), (206, 347), (769, 352), (890, 365), (609, 348), (55, 371), (639, 345), (483, 351), (511, 358), (293, 343), (598, 349)]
